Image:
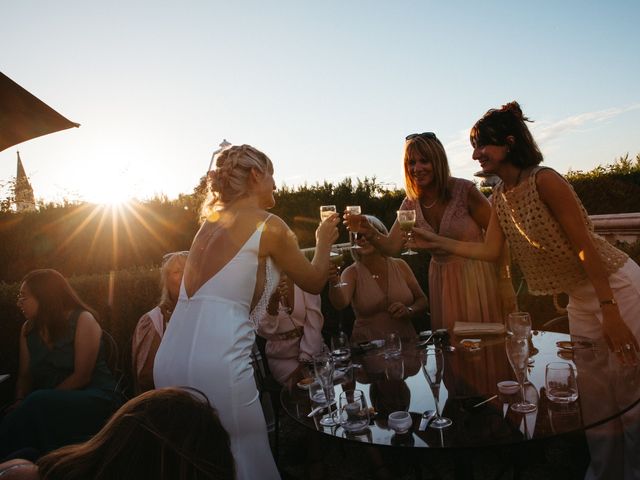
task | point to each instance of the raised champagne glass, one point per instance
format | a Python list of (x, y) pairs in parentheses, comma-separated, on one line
[(354, 224), (406, 220)]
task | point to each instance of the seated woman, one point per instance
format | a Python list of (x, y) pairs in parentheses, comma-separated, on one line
[(293, 329), (151, 326), (383, 291), (162, 434), (64, 390)]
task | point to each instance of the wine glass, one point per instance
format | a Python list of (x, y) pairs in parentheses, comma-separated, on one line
[(406, 220), (432, 368), (518, 354), (520, 324), (354, 224), (327, 211), (324, 367), (337, 258)]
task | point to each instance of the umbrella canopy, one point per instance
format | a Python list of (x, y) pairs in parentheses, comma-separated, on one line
[(24, 116)]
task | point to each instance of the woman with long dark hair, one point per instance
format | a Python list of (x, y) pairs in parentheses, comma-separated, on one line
[(552, 240), (64, 391)]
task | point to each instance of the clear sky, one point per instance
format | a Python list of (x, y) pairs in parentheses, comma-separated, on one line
[(327, 89)]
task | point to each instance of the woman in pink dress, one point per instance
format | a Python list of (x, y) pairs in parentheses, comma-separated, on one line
[(460, 289), (383, 292), (293, 329)]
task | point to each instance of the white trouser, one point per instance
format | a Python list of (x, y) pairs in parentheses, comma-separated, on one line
[(615, 445)]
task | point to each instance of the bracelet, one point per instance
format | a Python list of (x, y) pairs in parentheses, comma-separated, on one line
[(608, 301)]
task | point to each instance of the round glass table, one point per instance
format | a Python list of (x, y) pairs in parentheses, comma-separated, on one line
[(481, 415)]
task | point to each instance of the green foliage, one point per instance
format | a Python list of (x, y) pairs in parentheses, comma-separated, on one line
[(611, 188)]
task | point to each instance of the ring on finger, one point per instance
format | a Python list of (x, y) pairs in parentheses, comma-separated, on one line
[(627, 347)]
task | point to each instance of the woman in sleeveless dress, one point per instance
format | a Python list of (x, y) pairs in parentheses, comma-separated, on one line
[(383, 291), (552, 239), (64, 391), (232, 269), (460, 289)]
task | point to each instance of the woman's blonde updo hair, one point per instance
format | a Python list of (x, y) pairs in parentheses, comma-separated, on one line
[(229, 180)]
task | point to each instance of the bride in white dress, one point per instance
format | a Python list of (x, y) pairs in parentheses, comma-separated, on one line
[(232, 269)]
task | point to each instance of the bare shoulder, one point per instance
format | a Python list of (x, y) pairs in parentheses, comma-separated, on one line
[(86, 319), (551, 184)]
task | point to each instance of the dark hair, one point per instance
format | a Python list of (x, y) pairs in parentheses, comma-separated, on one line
[(167, 433), (428, 148), (55, 299), (497, 124)]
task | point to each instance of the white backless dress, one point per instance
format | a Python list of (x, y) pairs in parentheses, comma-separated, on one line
[(207, 346)]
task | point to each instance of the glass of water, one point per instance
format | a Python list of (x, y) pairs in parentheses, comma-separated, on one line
[(560, 382)]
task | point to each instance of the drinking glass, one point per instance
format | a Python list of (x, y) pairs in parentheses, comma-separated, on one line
[(432, 368), (353, 411), (354, 224), (517, 349), (327, 211), (406, 220), (317, 395), (520, 324), (340, 349), (324, 367), (337, 258), (392, 345), (560, 382)]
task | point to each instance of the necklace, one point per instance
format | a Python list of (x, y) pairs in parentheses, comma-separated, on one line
[(431, 205), (517, 181)]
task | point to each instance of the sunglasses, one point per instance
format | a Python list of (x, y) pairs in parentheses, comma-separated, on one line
[(430, 135), (167, 256)]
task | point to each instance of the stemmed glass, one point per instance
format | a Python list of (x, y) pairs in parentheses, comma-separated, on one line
[(432, 368), (520, 324), (337, 258), (340, 349), (406, 220), (518, 354), (324, 367), (326, 211), (354, 224)]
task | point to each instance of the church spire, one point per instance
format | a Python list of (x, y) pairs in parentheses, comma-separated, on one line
[(25, 202)]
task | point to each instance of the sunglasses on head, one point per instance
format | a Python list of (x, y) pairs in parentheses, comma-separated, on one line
[(430, 135), (168, 256)]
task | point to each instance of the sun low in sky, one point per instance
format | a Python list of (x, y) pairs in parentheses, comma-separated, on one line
[(326, 89)]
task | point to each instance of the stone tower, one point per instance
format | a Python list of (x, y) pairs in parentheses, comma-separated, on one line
[(25, 202)]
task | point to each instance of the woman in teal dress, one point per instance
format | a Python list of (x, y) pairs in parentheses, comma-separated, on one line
[(64, 391)]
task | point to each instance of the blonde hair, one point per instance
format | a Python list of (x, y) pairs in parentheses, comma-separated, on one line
[(228, 181), (168, 261), (429, 149), (378, 225)]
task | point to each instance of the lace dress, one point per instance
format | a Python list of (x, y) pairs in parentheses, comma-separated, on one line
[(459, 289), (207, 346)]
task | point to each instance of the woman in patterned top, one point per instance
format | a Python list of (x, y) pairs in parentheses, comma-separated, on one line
[(552, 239)]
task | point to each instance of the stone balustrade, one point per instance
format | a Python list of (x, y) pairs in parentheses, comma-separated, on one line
[(618, 227)]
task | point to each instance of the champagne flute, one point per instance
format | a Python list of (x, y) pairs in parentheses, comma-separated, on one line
[(337, 258), (432, 368), (324, 367), (518, 354), (520, 324), (407, 219), (354, 224), (326, 211)]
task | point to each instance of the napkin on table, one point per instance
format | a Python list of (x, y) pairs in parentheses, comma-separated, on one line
[(478, 328)]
